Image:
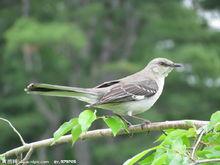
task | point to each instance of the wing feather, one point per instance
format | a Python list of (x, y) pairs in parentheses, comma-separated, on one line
[(123, 92)]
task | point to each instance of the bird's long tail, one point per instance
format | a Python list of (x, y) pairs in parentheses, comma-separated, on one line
[(83, 94)]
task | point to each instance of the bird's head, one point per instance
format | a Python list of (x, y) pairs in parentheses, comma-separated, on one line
[(161, 66)]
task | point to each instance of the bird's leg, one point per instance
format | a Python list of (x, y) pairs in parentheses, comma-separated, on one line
[(126, 121), (142, 119), (123, 119), (146, 122)]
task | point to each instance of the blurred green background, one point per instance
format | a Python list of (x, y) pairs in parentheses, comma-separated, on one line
[(85, 42)]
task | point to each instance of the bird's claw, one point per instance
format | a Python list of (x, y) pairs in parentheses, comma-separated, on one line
[(145, 123)]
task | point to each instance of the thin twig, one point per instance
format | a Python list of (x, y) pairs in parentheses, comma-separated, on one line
[(157, 126), (197, 144), (27, 157), (14, 129), (207, 161)]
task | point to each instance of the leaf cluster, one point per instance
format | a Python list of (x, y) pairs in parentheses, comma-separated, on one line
[(80, 125), (175, 148)]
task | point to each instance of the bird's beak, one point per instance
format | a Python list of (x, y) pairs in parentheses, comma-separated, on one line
[(176, 65)]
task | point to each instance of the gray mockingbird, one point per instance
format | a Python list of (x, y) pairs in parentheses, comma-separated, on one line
[(130, 95)]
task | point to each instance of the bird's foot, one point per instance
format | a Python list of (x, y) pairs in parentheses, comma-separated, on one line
[(145, 123)]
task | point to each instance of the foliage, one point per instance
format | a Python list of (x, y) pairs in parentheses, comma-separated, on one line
[(25, 29), (82, 43), (83, 122), (2, 159), (115, 123), (65, 127), (177, 145), (86, 118)]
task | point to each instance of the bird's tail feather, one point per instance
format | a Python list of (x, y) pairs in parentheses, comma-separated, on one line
[(83, 94)]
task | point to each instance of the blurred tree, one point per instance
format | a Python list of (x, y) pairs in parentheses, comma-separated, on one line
[(81, 43)]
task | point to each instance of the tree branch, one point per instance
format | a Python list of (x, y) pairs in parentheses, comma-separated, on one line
[(14, 129), (27, 157), (157, 126), (197, 144), (207, 161)]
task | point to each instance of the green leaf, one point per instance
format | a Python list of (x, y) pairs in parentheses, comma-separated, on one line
[(177, 145), (217, 127), (159, 152), (203, 153), (191, 132), (212, 152), (190, 123), (148, 160), (212, 138), (174, 135), (160, 160), (76, 132), (86, 118), (174, 158), (161, 138), (2, 159), (214, 122), (215, 118), (137, 157), (64, 128), (186, 141), (115, 123)]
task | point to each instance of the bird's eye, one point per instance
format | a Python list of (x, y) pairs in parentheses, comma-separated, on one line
[(163, 63)]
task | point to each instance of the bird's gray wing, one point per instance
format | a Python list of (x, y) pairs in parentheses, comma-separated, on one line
[(124, 92)]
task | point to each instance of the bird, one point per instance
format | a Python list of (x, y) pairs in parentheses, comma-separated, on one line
[(131, 95)]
